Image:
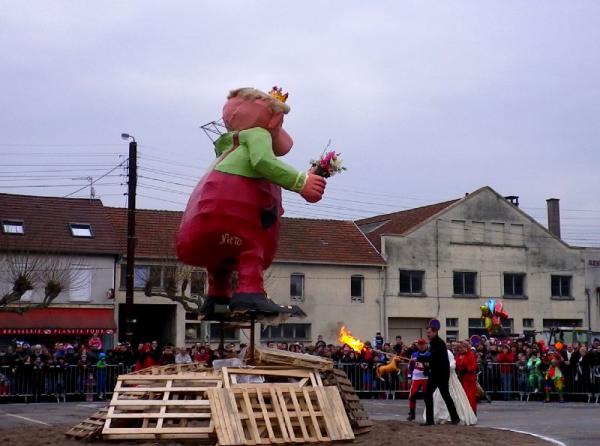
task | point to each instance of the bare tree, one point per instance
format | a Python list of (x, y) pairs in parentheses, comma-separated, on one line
[(27, 271), (170, 279)]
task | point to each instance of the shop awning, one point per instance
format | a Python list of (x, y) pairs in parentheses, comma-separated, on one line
[(49, 321)]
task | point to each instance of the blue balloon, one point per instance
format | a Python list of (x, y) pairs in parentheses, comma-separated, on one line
[(491, 303)]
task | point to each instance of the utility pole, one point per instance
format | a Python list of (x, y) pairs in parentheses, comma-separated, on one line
[(130, 268)]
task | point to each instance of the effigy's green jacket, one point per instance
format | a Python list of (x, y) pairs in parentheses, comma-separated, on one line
[(254, 158)]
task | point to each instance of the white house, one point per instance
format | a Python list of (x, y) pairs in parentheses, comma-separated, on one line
[(447, 259)]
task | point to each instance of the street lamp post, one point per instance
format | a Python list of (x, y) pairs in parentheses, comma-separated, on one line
[(130, 268)]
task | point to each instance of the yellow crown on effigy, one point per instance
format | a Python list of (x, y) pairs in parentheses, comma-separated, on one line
[(277, 93)]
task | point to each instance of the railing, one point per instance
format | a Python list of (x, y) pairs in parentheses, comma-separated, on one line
[(32, 383), (499, 381)]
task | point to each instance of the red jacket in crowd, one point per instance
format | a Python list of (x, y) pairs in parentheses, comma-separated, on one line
[(506, 360)]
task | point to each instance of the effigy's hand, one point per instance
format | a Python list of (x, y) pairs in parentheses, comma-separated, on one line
[(313, 188)]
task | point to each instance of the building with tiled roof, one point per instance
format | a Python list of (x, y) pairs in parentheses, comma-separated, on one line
[(69, 240), (400, 222), (445, 260)]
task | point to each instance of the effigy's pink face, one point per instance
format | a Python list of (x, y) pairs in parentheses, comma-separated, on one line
[(240, 114)]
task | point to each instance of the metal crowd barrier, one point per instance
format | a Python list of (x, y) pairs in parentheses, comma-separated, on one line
[(32, 383), (499, 381)]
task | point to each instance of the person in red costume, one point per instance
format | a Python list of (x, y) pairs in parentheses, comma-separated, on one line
[(232, 219), (466, 369)]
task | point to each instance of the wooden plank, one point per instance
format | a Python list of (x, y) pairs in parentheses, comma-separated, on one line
[(135, 403), (248, 409), (335, 400), (163, 415), (281, 421), (266, 416), (234, 417), (217, 413), (286, 415), (291, 373), (269, 356), (313, 416), (300, 416)]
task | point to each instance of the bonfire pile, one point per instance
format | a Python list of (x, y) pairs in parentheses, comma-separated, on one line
[(286, 398)]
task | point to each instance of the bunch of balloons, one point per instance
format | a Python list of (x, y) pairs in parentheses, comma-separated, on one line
[(493, 314)]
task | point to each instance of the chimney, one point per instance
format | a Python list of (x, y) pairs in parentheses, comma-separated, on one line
[(553, 216), (513, 199)]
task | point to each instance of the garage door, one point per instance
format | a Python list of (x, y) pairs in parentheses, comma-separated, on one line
[(409, 328)]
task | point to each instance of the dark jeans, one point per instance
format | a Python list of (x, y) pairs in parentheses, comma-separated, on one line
[(442, 384)]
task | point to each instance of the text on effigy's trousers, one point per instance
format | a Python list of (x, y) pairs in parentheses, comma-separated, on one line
[(230, 240)]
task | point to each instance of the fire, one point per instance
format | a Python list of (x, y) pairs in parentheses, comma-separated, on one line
[(345, 337)]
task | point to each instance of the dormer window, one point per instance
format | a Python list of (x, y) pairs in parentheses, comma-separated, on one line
[(12, 227), (81, 230)]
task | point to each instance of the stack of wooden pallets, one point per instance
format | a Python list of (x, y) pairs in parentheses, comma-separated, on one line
[(170, 407), (286, 398), (90, 428)]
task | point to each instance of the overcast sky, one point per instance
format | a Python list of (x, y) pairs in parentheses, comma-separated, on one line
[(425, 100)]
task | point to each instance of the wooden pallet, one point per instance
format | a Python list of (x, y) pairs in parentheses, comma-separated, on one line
[(275, 376), (271, 356), (267, 414), (89, 428), (358, 416), (171, 407), (173, 369)]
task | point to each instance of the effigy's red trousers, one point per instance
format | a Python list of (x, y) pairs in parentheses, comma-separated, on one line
[(231, 223)]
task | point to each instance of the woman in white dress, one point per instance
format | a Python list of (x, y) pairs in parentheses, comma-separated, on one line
[(465, 412)]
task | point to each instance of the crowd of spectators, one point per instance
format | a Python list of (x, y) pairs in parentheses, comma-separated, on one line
[(509, 366)]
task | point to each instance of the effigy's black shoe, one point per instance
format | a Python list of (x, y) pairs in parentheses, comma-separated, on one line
[(261, 305)]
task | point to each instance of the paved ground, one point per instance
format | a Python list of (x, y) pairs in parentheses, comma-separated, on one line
[(575, 424)]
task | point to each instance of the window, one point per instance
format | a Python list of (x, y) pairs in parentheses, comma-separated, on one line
[(357, 284), (452, 322), (527, 323), (285, 332), (159, 276), (198, 283), (231, 334), (477, 232), (554, 323), (140, 276), (451, 335), (561, 286), (464, 283), (515, 235), (80, 287), (13, 227), (477, 326), (80, 229), (411, 282), (297, 286), (497, 233), (514, 285), (458, 228), (193, 332)]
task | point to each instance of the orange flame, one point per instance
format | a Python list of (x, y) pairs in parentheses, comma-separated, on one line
[(345, 337)]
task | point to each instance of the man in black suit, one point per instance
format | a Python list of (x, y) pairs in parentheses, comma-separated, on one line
[(439, 374)]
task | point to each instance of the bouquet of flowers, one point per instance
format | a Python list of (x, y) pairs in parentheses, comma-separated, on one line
[(328, 165)]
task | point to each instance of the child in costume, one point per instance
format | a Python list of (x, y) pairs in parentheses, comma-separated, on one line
[(417, 372), (535, 375), (232, 219), (554, 380)]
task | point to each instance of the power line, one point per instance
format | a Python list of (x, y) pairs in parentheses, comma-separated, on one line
[(98, 179)]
